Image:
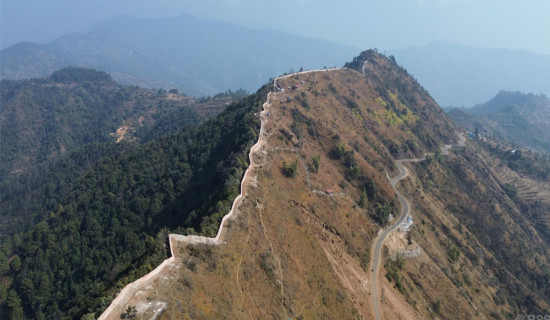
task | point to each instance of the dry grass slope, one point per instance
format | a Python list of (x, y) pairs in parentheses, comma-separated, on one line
[(299, 246)]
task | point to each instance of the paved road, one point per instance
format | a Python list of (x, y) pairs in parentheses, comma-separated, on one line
[(405, 211)]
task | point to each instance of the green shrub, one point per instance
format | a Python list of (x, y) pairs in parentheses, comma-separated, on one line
[(290, 170), (315, 161)]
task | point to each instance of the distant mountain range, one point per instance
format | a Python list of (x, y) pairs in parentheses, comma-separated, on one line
[(206, 57), (456, 75), (198, 57), (511, 116)]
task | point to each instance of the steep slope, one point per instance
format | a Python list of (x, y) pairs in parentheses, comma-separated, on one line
[(299, 246), (513, 117), (315, 199), (300, 243), (490, 243), (105, 224), (457, 76), (525, 177), (198, 57)]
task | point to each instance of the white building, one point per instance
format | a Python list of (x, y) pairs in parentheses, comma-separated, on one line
[(407, 224)]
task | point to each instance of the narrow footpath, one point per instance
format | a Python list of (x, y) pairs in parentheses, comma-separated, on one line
[(122, 299)]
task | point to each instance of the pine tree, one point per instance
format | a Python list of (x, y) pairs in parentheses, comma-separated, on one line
[(14, 306)]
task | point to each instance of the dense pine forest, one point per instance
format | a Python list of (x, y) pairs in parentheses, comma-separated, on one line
[(87, 221)]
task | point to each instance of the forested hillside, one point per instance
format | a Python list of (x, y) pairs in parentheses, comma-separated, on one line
[(100, 214), (43, 118), (514, 117)]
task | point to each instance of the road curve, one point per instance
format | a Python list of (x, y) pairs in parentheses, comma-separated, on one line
[(405, 211)]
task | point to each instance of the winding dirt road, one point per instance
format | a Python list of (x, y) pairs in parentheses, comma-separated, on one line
[(405, 211)]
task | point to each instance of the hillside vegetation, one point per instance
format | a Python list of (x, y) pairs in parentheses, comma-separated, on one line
[(300, 246), (43, 118), (514, 117), (100, 214)]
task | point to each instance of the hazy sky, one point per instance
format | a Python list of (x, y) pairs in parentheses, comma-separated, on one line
[(385, 24)]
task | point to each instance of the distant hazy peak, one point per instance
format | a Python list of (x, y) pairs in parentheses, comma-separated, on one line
[(505, 99), (196, 56), (458, 75)]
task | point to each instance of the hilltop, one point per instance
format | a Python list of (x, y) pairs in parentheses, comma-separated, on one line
[(300, 243), (317, 160)]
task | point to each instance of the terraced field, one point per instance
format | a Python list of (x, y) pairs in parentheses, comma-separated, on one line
[(528, 189)]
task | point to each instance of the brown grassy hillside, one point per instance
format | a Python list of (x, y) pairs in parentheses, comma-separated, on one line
[(300, 245)]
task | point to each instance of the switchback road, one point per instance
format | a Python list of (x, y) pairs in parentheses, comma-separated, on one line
[(405, 211)]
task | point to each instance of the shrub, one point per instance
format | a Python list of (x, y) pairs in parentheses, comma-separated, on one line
[(363, 201), (130, 313), (290, 170), (510, 190), (266, 262), (454, 253), (315, 161), (340, 150), (392, 272)]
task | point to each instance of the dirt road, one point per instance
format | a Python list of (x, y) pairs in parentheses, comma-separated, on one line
[(405, 211)]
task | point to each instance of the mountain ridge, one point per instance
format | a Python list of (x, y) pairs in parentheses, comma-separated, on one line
[(299, 245), (198, 57)]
